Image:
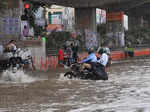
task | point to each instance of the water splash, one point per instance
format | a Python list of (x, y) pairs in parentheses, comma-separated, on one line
[(18, 77), (63, 78)]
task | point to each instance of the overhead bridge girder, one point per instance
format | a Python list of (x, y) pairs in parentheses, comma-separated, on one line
[(104, 4), (130, 7)]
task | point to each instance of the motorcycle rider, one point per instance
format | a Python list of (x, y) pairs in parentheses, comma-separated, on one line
[(102, 63), (89, 61), (11, 47), (106, 48), (104, 57)]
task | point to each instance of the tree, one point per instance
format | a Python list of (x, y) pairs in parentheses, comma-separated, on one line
[(34, 6)]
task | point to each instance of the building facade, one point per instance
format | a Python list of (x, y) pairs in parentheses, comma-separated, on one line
[(60, 15), (10, 22)]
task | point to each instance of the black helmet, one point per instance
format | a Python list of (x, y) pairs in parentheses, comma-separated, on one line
[(90, 50), (101, 51)]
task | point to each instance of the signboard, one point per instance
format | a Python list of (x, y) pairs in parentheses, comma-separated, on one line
[(56, 18), (40, 19), (115, 16), (125, 22), (91, 40), (100, 16)]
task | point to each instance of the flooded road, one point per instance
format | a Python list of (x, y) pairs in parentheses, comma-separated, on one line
[(127, 90)]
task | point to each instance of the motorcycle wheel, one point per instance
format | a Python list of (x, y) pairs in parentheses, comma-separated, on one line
[(69, 75)]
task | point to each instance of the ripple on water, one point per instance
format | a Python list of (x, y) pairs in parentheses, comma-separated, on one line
[(127, 90)]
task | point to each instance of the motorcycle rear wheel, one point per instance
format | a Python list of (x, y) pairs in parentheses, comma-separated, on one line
[(69, 75)]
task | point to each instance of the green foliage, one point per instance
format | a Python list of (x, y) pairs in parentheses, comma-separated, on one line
[(34, 6), (138, 35), (135, 36), (39, 30)]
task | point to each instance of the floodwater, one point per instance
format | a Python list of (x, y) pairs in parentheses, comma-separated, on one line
[(127, 90)]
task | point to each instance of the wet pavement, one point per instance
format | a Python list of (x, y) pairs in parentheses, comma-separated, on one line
[(127, 90)]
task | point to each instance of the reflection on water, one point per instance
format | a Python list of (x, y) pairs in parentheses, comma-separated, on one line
[(127, 90)]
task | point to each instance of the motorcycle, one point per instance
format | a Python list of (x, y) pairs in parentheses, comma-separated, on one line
[(27, 59), (96, 73), (14, 61)]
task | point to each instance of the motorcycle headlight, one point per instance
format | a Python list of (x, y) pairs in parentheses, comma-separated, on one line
[(15, 55)]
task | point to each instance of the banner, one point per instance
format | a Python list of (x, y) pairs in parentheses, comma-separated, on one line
[(91, 39), (10, 26), (115, 16)]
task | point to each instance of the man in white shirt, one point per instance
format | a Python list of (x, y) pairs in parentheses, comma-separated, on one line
[(100, 65), (104, 59), (102, 62)]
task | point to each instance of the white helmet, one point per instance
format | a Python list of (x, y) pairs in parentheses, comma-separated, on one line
[(107, 50)]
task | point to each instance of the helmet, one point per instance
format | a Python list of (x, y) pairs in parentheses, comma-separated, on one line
[(101, 51), (90, 50), (104, 50), (107, 50)]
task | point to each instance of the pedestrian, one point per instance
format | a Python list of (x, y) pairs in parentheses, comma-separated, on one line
[(1, 49), (129, 51), (25, 31), (69, 55), (126, 51), (60, 56), (75, 52)]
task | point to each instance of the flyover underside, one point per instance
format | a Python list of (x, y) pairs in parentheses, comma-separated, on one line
[(107, 4), (142, 10), (131, 7)]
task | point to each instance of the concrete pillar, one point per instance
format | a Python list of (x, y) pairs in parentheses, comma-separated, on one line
[(115, 28), (85, 18)]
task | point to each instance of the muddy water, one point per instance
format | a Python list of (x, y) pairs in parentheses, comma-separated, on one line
[(127, 90)]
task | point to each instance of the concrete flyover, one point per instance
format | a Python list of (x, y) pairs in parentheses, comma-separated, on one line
[(85, 14), (116, 5), (130, 7)]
